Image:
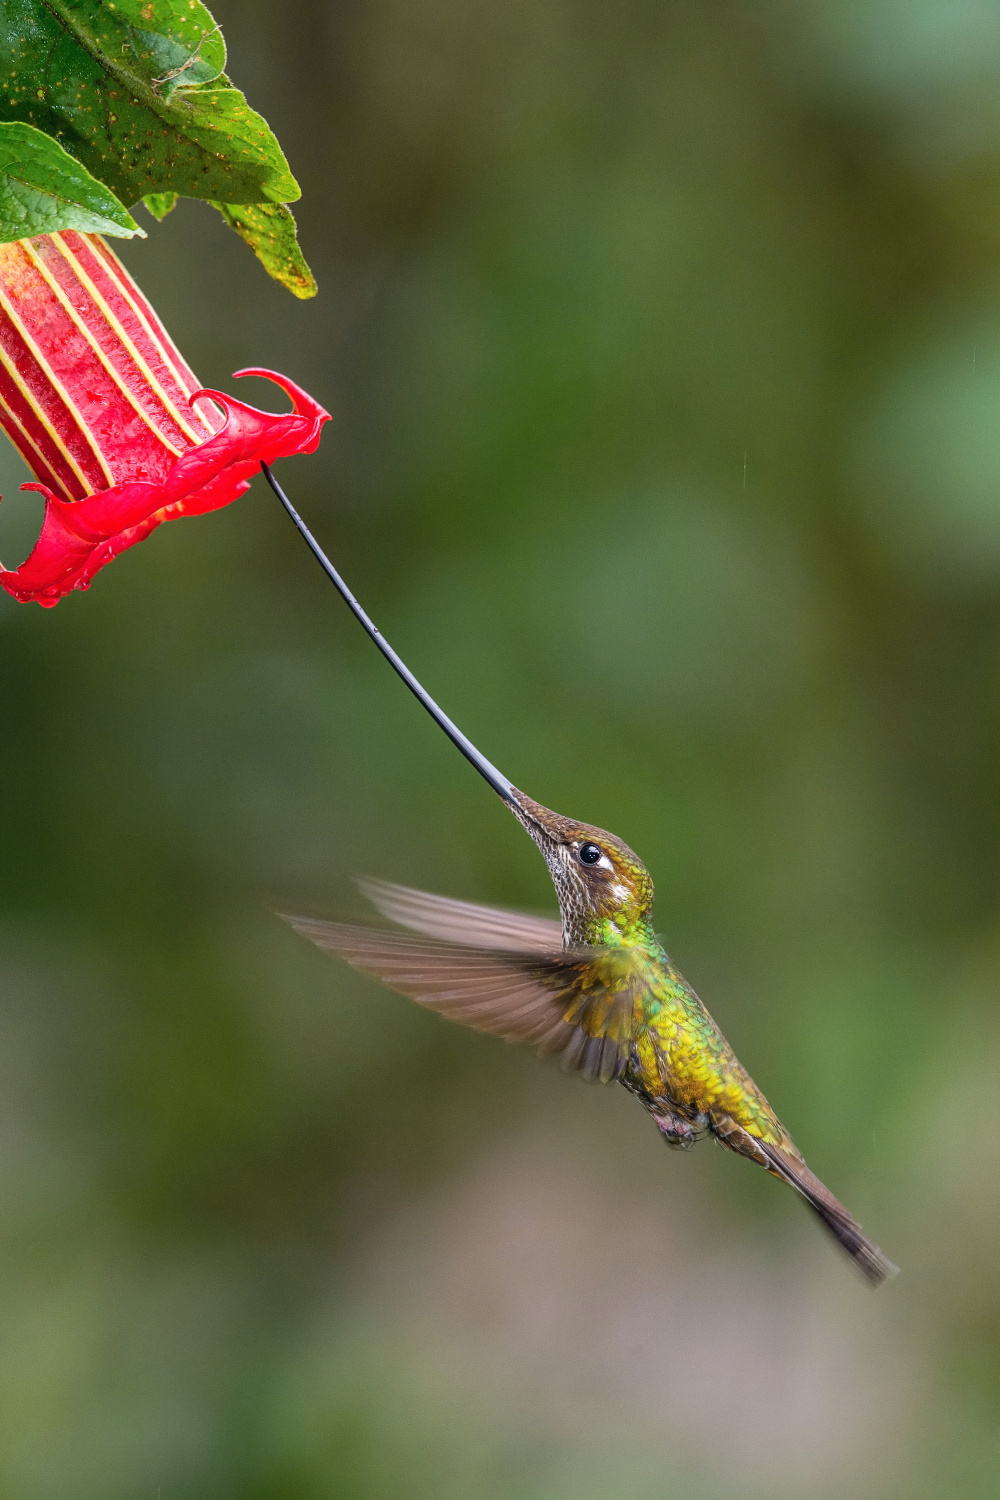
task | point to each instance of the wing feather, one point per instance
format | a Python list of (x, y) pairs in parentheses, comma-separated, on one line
[(544, 998), (463, 921)]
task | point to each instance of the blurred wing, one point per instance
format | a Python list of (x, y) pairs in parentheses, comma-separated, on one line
[(463, 921), (549, 1002)]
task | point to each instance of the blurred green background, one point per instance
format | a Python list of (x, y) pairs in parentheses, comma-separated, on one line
[(663, 347)]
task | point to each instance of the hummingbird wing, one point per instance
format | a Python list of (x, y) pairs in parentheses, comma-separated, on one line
[(553, 1001), (463, 921)]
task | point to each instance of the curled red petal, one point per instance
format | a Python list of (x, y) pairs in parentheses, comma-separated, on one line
[(80, 537)]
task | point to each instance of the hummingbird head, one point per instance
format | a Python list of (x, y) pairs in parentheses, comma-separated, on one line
[(605, 891)]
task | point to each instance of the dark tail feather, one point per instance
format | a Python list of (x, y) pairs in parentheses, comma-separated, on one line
[(868, 1258)]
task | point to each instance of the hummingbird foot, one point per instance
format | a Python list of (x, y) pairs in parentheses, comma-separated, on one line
[(678, 1132), (682, 1131)]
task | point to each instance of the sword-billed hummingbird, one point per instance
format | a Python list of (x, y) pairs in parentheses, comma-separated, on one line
[(596, 987)]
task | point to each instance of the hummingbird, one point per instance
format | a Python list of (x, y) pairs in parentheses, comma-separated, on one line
[(594, 988)]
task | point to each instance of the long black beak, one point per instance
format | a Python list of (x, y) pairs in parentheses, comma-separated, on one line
[(489, 772)]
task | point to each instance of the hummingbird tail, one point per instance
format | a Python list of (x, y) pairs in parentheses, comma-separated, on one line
[(789, 1166), (869, 1259)]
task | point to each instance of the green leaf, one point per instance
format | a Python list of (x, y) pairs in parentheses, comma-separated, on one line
[(134, 89), (269, 230), (42, 190), (160, 204)]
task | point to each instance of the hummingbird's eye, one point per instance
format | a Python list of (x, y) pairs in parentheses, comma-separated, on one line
[(589, 854)]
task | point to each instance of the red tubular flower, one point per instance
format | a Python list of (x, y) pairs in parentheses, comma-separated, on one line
[(105, 412)]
